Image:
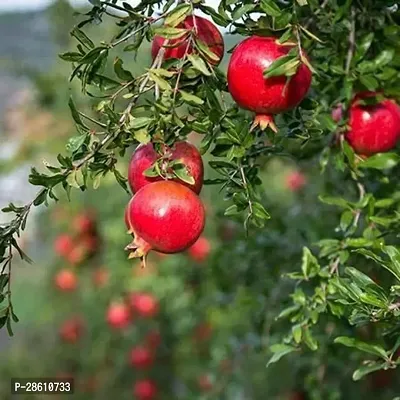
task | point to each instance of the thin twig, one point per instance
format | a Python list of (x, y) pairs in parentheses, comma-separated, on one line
[(352, 40)]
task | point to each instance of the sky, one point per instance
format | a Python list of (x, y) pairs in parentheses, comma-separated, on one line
[(26, 5)]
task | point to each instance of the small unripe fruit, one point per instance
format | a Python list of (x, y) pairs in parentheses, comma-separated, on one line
[(118, 315), (71, 330), (66, 280)]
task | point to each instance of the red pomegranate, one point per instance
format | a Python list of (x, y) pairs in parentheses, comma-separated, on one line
[(164, 216), (200, 250), (144, 304), (71, 330), (77, 255), (100, 277), (264, 96), (118, 315), (295, 181), (205, 383), (373, 128), (145, 390), (140, 357), (84, 223), (145, 156), (66, 280), (63, 245), (207, 32)]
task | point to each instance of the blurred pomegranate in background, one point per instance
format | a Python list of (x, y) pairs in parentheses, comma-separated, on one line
[(200, 250), (140, 357), (145, 390), (66, 280), (71, 330), (295, 181), (63, 245), (100, 277), (144, 304), (118, 315)]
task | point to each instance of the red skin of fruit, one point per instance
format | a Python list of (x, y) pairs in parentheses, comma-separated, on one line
[(77, 255), (141, 358), (145, 390), (165, 216), (373, 128), (251, 90), (145, 156), (144, 304), (63, 245), (66, 280), (295, 181), (100, 277), (205, 383), (207, 32), (200, 250), (118, 315), (71, 330), (84, 224)]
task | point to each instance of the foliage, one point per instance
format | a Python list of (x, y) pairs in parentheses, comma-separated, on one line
[(346, 279)]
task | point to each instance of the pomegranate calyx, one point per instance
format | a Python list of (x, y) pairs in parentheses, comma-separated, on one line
[(264, 121), (138, 248)]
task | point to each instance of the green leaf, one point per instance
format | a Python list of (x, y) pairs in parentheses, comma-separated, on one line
[(360, 278), (369, 82), (71, 56), (181, 172), (280, 350), (309, 340), (170, 32), (76, 142), (177, 15), (365, 347), (310, 265), (367, 369), (334, 201), (160, 82), (199, 64), (81, 37), (139, 122), (381, 161), (75, 114), (363, 46), (121, 72), (297, 332), (260, 211), (206, 51), (238, 13), (191, 98), (369, 298), (283, 66), (302, 2), (270, 7)]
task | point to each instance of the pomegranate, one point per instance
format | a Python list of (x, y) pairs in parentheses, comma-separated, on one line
[(63, 245), (145, 156), (140, 357), (144, 304), (295, 181), (145, 390), (207, 32), (200, 250), (164, 216), (71, 330), (205, 383), (77, 255), (264, 96), (373, 128), (66, 280), (100, 277), (118, 315), (84, 224)]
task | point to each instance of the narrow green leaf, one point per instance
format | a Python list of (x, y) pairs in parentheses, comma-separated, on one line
[(199, 64), (191, 98), (365, 347), (270, 7), (238, 13), (280, 350), (283, 66), (367, 369), (177, 15), (170, 32), (82, 37), (381, 161)]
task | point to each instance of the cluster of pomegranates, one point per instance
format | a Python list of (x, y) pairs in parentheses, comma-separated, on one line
[(165, 213), (82, 243)]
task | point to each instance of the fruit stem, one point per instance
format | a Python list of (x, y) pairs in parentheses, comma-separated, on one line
[(264, 121), (138, 248)]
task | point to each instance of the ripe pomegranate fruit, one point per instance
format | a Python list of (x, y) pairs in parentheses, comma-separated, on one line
[(264, 96), (200, 250), (295, 181), (66, 280), (164, 216), (84, 224), (144, 304), (207, 32), (145, 156), (140, 357), (100, 277), (118, 315), (145, 390), (71, 330), (373, 128), (63, 245)]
